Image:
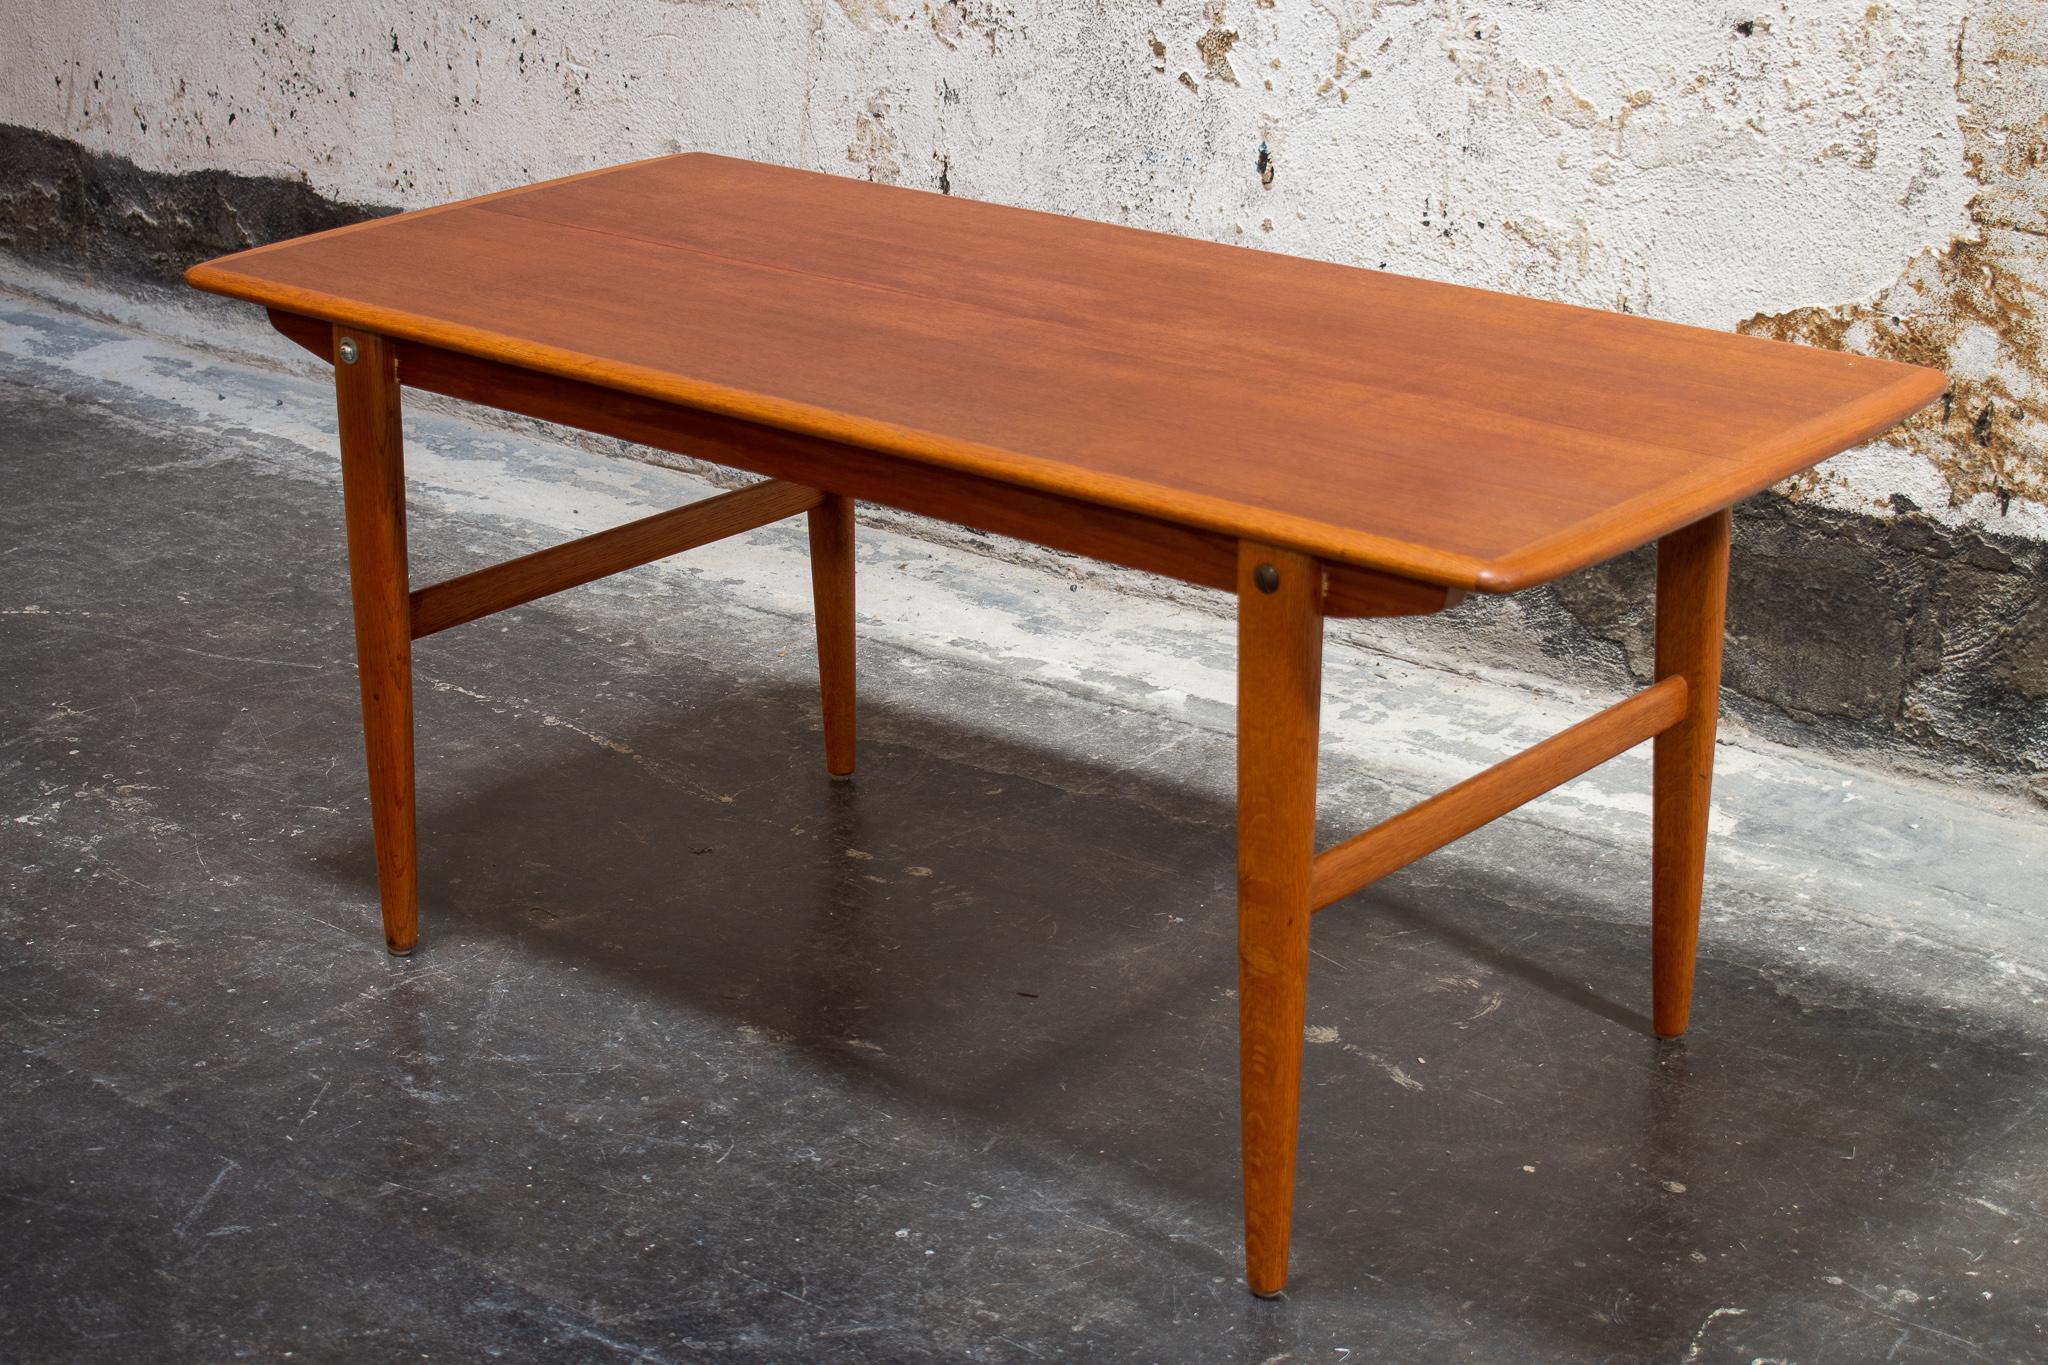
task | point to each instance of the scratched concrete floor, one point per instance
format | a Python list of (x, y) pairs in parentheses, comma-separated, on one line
[(706, 1058)]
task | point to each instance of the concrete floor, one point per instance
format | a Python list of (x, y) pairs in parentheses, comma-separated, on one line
[(704, 1057)]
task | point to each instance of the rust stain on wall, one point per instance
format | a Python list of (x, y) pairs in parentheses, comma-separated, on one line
[(1215, 46), (874, 145), (1974, 309), (866, 12)]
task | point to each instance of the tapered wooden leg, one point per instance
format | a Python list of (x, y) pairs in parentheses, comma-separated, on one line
[(373, 493), (1279, 699), (1692, 600), (832, 591)]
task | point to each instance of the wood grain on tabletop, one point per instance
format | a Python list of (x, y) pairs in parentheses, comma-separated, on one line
[(1456, 435)]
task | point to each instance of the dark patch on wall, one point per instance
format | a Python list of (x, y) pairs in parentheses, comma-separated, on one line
[(65, 205), (1857, 632), (1897, 636)]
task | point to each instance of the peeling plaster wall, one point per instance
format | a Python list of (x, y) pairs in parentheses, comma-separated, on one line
[(1868, 175), (1972, 307)]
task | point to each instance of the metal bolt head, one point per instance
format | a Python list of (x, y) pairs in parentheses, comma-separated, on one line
[(1267, 577), (347, 350)]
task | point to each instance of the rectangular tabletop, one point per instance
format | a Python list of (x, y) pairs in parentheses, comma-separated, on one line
[(1452, 435)]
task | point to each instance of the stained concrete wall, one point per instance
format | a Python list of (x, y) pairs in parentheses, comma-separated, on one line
[(1873, 176)]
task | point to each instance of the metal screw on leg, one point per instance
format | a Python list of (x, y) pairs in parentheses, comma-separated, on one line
[(1267, 577), (347, 351)]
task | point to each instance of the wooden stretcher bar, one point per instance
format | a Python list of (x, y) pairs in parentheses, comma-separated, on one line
[(1484, 797)]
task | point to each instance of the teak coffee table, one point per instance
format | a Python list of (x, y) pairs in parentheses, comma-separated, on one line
[(1319, 440)]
